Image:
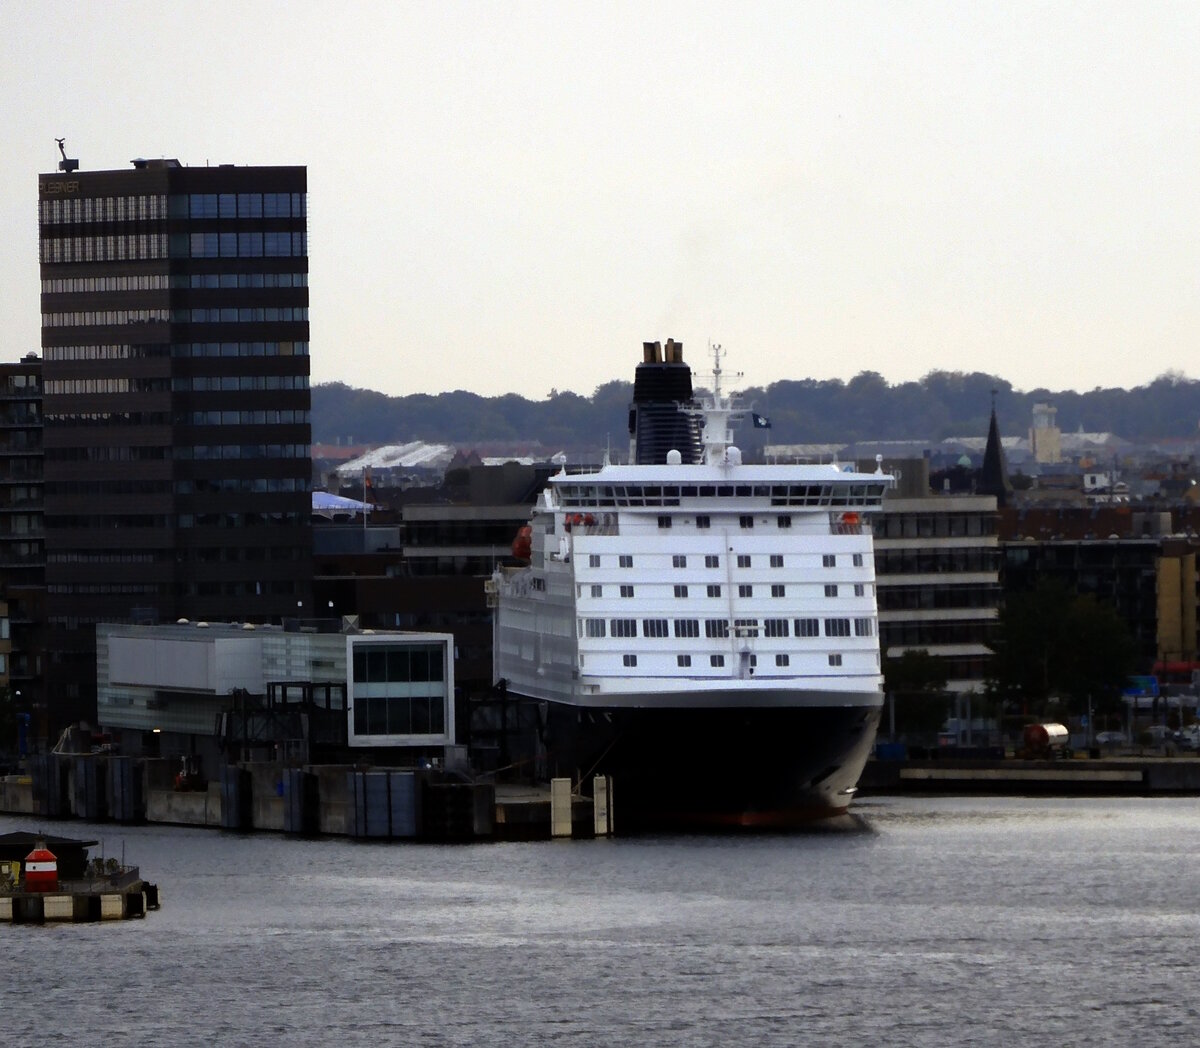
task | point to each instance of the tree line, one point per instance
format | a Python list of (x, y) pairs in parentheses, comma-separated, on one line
[(940, 405)]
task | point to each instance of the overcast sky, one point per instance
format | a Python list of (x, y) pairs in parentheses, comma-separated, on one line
[(512, 197)]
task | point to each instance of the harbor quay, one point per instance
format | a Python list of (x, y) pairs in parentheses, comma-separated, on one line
[(431, 806), (315, 800), (1128, 776)]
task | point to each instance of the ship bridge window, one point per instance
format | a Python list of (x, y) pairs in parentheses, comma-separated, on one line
[(742, 491), (689, 491)]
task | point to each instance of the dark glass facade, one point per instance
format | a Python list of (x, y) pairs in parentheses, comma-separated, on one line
[(176, 402), (22, 554)]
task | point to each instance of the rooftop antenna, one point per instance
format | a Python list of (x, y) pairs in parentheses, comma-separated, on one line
[(66, 163), (716, 349)]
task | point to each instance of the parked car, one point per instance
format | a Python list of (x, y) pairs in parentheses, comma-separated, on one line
[(1189, 738), (1111, 738)]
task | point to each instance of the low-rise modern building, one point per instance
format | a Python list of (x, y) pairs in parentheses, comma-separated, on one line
[(239, 689)]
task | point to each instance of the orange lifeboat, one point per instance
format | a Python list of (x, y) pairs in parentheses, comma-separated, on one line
[(522, 545)]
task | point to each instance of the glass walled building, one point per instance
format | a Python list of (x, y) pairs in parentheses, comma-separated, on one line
[(176, 403)]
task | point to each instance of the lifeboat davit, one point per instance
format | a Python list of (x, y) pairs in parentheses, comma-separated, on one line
[(522, 546)]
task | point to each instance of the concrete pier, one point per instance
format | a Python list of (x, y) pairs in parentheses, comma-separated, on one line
[(361, 802), (79, 904)]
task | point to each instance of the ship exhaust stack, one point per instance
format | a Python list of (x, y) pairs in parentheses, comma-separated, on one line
[(658, 419)]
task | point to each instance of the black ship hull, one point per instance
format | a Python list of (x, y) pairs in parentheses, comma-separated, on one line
[(759, 768)]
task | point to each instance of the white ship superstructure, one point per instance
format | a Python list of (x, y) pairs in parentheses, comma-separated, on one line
[(715, 586)]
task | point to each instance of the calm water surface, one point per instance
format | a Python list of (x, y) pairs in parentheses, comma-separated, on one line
[(938, 921)]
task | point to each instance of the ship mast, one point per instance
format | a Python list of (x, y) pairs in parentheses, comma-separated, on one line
[(717, 411)]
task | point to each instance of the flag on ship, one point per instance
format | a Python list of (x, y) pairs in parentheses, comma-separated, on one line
[(760, 421)]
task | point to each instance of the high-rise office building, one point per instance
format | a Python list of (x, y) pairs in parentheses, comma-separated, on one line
[(22, 558), (176, 402)]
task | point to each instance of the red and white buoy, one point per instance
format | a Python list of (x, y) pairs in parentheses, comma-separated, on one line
[(41, 869)]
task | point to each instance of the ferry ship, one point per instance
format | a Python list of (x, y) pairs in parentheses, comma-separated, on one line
[(702, 629)]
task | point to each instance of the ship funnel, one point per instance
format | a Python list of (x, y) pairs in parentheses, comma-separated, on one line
[(658, 423)]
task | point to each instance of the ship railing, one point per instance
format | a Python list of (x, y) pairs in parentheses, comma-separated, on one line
[(842, 528)]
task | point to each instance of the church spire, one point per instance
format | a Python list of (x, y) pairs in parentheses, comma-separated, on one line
[(993, 477)]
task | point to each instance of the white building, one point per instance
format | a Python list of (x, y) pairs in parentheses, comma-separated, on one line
[(374, 689)]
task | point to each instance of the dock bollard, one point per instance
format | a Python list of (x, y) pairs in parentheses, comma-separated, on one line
[(560, 807), (602, 823)]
